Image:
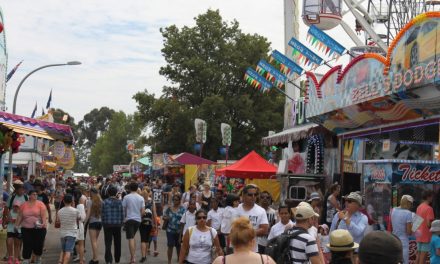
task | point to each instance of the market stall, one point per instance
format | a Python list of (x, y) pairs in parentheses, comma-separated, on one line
[(385, 112), (254, 169)]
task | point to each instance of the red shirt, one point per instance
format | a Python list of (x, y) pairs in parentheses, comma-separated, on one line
[(426, 212)]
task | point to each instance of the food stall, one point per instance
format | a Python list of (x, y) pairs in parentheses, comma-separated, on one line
[(391, 106)]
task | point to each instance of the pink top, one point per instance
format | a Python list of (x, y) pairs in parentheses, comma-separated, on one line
[(32, 213), (426, 212)]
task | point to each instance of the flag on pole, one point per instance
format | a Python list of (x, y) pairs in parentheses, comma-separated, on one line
[(42, 111), (35, 111), (13, 71), (49, 100)]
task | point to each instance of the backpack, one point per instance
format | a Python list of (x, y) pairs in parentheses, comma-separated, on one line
[(278, 248), (11, 202)]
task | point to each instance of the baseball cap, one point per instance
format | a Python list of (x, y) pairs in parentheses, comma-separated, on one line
[(380, 247), (354, 196), (407, 197), (314, 196), (303, 212), (435, 226)]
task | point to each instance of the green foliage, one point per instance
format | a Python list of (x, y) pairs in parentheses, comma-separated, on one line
[(88, 130), (206, 64), (110, 148)]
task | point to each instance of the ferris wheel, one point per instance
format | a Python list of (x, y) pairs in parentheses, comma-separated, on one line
[(378, 20)]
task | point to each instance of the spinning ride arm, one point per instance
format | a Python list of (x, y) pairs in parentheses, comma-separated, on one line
[(364, 23)]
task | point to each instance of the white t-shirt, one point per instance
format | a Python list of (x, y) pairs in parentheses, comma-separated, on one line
[(200, 244), (216, 218), (278, 229), (68, 217), (189, 219), (257, 216), (133, 203), (229, 215)]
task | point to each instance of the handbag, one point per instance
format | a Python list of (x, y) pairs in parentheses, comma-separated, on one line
[(214, 254)]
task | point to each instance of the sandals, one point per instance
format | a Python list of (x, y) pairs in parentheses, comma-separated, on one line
[(156, 253)]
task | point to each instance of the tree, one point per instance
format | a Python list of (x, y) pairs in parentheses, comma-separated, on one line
[(110, 148), (206, 64), (88, 131)]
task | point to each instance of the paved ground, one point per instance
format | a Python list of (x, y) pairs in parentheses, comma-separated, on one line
[(53, 249)]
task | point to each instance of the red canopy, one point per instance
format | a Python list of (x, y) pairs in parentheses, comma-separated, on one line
[(187, 158), (251, 166)]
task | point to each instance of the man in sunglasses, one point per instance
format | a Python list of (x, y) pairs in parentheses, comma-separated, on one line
[(265, 203), (351, 218), (255, 213)]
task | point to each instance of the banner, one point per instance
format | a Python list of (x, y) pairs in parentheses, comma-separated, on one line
[(201, 129), (287, 66), (304, 54), (380, 172), (323, 42), (226, 134), (272, 74), (416, 173), (256, 81)]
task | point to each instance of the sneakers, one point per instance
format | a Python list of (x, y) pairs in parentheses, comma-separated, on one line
[(10, 260)]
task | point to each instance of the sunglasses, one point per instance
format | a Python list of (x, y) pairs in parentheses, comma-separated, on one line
[(265, 197), (252, 194), (201, 217)]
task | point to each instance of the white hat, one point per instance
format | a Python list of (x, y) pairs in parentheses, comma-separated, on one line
[(341, 240), (354, 196), (303, 212), (314, 196), (435, 226), (409, 198)]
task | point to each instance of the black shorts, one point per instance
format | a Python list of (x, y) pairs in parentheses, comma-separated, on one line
[(95, 226), (145, 231), (14, 235), (131, 227)]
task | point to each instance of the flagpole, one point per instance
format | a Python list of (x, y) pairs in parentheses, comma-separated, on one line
[(14, 108)]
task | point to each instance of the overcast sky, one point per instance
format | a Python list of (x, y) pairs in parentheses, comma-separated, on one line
[(118, 43)]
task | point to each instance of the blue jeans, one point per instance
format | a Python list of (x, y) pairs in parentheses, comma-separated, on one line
[(68, 243)]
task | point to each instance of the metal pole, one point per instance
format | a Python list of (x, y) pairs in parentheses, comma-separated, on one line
[(14, 107)]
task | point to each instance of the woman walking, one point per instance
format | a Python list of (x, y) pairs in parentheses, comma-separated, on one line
[(205, 197), (332, 204), (32, 219), (198, 241), (171, 224), (242, 237), (401, 222), (95, 224), (82, 216), (148, 222), (229, 215)]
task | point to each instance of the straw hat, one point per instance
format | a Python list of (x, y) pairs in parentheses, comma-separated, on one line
[(341, 240)]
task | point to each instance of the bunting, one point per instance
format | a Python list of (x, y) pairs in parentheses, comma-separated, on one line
[(287, 66), (324, 43), (272, 74), (303, 54), (257, 81)]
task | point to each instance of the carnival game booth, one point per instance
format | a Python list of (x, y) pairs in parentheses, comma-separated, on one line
[(254, 169), (391, 106), (40, 137), (194, 167)]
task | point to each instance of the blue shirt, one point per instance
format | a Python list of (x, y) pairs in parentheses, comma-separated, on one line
[(112, 212), (174, 219), (435, 244), (399, 219), (357, 226)]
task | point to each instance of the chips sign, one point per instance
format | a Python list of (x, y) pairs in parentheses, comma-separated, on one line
[(58, 149)]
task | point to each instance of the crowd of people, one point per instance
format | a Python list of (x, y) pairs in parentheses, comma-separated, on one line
[(206, 225)]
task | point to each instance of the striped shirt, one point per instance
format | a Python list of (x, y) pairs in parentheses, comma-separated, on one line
[(68, 218), (302, 247)]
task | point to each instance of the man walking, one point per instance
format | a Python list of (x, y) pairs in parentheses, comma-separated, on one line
[(265, 203), (158, 197), (134, 208), (303, 247), (351, 218), (112, 217), (69, 228), (255, 213), (425, 211)]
